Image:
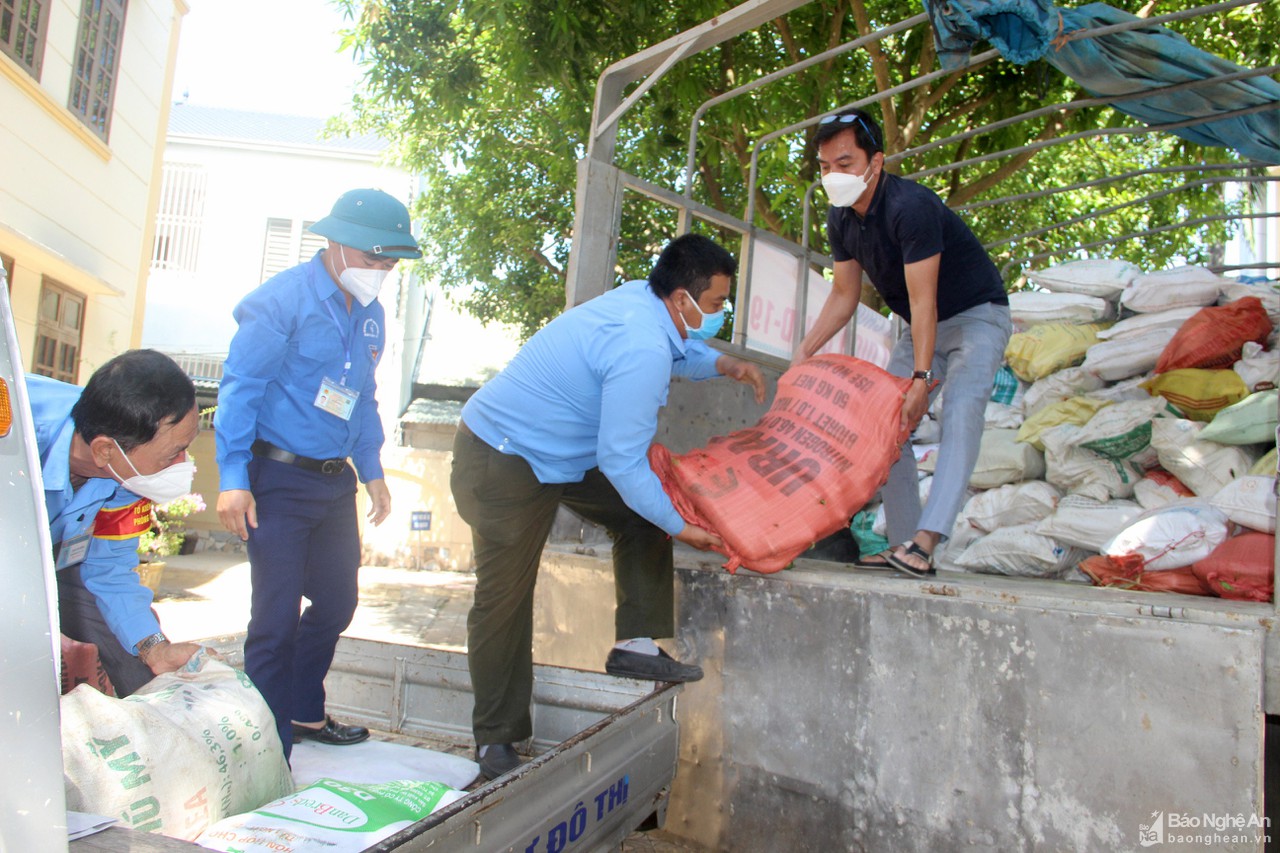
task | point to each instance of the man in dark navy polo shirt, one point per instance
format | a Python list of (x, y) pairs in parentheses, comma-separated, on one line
[(931, 271)]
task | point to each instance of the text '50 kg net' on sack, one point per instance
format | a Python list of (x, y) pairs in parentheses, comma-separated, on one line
[(817, 456)]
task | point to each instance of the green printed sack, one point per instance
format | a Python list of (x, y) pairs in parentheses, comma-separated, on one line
[(329, 816), (187, 749), (1251, 421)]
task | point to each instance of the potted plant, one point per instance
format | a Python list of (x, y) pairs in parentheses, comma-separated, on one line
[(165, 538)]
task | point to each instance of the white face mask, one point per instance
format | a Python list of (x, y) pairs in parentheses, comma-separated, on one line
[(163, 486), (362, 284), (843, 189)]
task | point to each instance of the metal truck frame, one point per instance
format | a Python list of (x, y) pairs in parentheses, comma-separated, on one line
[(605, 748), (856, 711)]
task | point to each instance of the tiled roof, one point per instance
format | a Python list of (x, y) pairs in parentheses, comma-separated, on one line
[(424, 411), (263, 128)]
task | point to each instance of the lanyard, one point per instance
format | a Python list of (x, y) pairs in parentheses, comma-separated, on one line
[(346, 341)]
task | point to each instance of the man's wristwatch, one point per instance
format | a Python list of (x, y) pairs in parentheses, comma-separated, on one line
[(926, 375), (146, 644)]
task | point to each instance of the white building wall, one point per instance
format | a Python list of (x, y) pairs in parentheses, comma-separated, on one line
[(191, 312), (71, 206)]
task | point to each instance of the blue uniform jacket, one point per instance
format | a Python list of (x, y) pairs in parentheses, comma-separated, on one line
[(585, 393), (294, 331)]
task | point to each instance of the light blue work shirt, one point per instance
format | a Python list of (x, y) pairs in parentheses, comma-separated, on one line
[(294, 332), (107, 569), (585, 391)]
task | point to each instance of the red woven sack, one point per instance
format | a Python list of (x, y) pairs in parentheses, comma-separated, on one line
[(1125, 572), (1242, 568), (817, 456), (1161, 477), (1214, 337)]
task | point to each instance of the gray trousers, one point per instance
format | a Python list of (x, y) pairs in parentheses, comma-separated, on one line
[(511, 514), (968, 351)]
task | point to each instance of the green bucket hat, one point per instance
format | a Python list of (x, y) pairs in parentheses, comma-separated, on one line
[(371, 221)]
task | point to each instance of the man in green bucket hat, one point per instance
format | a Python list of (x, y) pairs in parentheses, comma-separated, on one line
[(296, 412)]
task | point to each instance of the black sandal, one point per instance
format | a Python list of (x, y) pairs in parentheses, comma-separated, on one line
[(903, 566), (876, 562)]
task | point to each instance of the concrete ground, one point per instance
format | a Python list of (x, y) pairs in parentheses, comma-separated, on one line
[(207, 595)]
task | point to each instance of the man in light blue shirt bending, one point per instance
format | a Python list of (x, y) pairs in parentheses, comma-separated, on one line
[(570, 421)]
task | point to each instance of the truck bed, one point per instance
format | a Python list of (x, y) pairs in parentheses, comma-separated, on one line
[(604, 752)]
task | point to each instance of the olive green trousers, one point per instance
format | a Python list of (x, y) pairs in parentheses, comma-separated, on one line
[(511, 514)]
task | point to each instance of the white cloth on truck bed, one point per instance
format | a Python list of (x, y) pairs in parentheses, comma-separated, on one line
[(377, 761)]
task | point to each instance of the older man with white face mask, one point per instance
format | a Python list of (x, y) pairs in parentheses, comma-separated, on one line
[(107, 451), (296, 403)]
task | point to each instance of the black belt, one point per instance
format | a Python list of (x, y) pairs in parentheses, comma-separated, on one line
[(268, 450)]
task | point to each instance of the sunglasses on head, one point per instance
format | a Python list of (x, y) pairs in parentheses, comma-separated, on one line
[(850, 118)]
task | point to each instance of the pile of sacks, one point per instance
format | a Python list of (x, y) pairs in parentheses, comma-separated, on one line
[(1131, 437)]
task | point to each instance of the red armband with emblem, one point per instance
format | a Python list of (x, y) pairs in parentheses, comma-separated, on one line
[(125, 522)]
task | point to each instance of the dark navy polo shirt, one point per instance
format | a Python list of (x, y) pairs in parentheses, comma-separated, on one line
[(906, 223)]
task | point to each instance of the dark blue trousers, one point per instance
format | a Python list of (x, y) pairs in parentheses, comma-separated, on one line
[(307, 543)]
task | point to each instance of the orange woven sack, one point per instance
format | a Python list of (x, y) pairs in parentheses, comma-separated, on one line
[(1213, 337), (1242, 568), (817, 456), (1125, 572)]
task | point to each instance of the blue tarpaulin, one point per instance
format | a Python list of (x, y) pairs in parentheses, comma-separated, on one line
[(1122, 63)]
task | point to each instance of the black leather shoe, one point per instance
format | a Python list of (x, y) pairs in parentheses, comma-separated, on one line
[(498, 759), (332, 733), (659, 667)]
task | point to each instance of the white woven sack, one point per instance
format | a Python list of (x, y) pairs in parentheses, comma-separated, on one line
[(1258, 367), (1180, 287), (1011, 504), (1030, 308), (1000, 416), (1172, 536), (1249, 501), (1123, 430), (1063, 385), (962, 536), (1001, 459), (1267, 294), (1204, 467), (1112, 361), (1086, 523), (1078, 471), (188, 749), (1141, 323), (1126, 390), (1021, 552), (1100, 277)]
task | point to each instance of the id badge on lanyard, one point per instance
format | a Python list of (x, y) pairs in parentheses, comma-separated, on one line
[(336, 399), (72, 551)]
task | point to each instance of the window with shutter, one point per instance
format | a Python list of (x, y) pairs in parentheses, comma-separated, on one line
[(289, 242), (179, 218)]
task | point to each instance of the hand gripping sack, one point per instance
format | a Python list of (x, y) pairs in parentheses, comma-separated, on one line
[(817, 456)]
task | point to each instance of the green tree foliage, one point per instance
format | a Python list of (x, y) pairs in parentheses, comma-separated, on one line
[(491, 101)]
